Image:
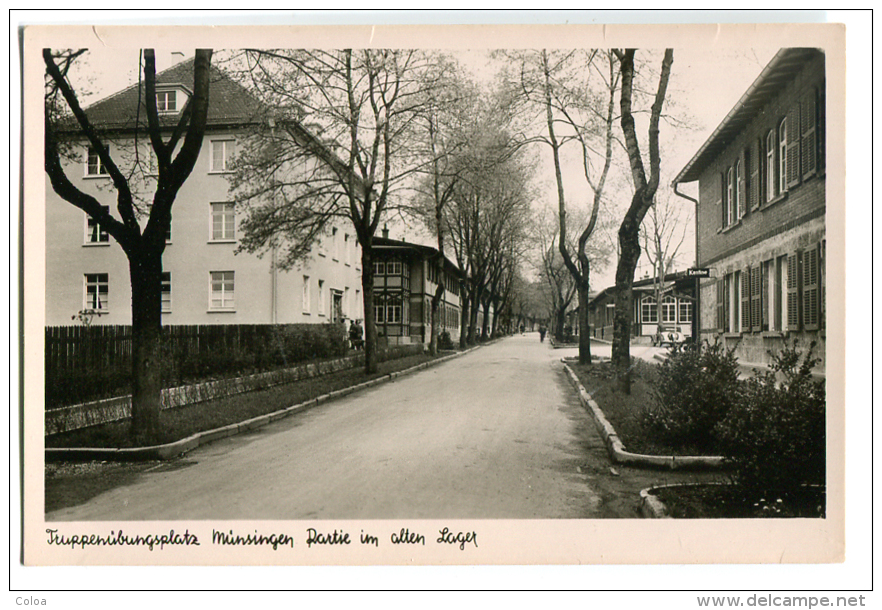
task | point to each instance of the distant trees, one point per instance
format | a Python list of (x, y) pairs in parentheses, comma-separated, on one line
[(65, 123), (487, 221), (339, 143)]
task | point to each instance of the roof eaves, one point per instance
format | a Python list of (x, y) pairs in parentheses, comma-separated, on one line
[(780, 70)]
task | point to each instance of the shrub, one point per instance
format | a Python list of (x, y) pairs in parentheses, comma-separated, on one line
[(445, 341), (694, 390), (775, 437)]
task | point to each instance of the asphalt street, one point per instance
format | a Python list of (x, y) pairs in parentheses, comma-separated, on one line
[(497, 433)]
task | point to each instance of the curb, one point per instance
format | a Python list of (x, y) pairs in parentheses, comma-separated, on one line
[(653, 508), (172, 450), (650, 506), (616, 449)]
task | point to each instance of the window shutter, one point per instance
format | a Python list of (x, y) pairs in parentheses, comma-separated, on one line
[(745, 300), (754, 164), (793, 147), (721, 299), (810, 289), (723, 200), (768, 269), (809, 121), (793, 292), (756, 302)]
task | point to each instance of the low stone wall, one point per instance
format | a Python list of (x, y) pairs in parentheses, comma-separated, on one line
[(119, 408)]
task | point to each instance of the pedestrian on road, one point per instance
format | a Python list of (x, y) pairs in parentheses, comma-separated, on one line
[(542, 333), (522, 329)]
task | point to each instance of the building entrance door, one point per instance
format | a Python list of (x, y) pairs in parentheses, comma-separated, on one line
[(337, 306)]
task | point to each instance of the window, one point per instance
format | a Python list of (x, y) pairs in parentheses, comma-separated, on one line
[(721, 304), (685, 311), (669, 310), (222, 290), (379, 311), (740, 193), (321, 297), (771, 180), (305, 304), (379, 268), (94, 166), (96, 291), (221, 153), (393, 313), (393, 268), (223, 222), (347, 249), (94, 233), (166, 101), (735, 302), (648, 311), (336, 243), (166, 292), (779, 293), (782, 156), (730, 192)]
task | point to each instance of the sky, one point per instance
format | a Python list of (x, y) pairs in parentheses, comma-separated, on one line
[(703, 88)]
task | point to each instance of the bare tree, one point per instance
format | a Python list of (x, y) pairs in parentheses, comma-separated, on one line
[(641, 200), (561, 86), (663, 233), (143, 247), (358, 150)]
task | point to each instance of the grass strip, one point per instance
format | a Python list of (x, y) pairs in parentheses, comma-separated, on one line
[(190, 419), (623, 410)]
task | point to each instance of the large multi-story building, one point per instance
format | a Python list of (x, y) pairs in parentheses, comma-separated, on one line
[(205, 280), (760, 214)]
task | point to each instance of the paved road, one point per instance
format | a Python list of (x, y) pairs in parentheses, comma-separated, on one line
[(497, 433)]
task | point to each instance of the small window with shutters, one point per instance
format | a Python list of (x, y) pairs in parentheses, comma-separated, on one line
[(721, 307), (793, 280), (745, 300), (811, 289)]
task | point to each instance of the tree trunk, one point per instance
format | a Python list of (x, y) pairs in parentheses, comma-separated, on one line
[(474, 305), (559, 318), (584, 331), (370, 324), (145, 273), (464, 317), (485, 321), (436, 305), (629, 254)]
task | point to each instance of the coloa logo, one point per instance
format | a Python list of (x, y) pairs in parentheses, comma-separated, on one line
[(29, 601)]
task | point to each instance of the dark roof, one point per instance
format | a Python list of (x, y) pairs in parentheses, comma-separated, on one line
[(384, 243), (228, 102), (783, 68), (641, 284)]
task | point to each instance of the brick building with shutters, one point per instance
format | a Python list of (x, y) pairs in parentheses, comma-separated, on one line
[(760, 214)]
